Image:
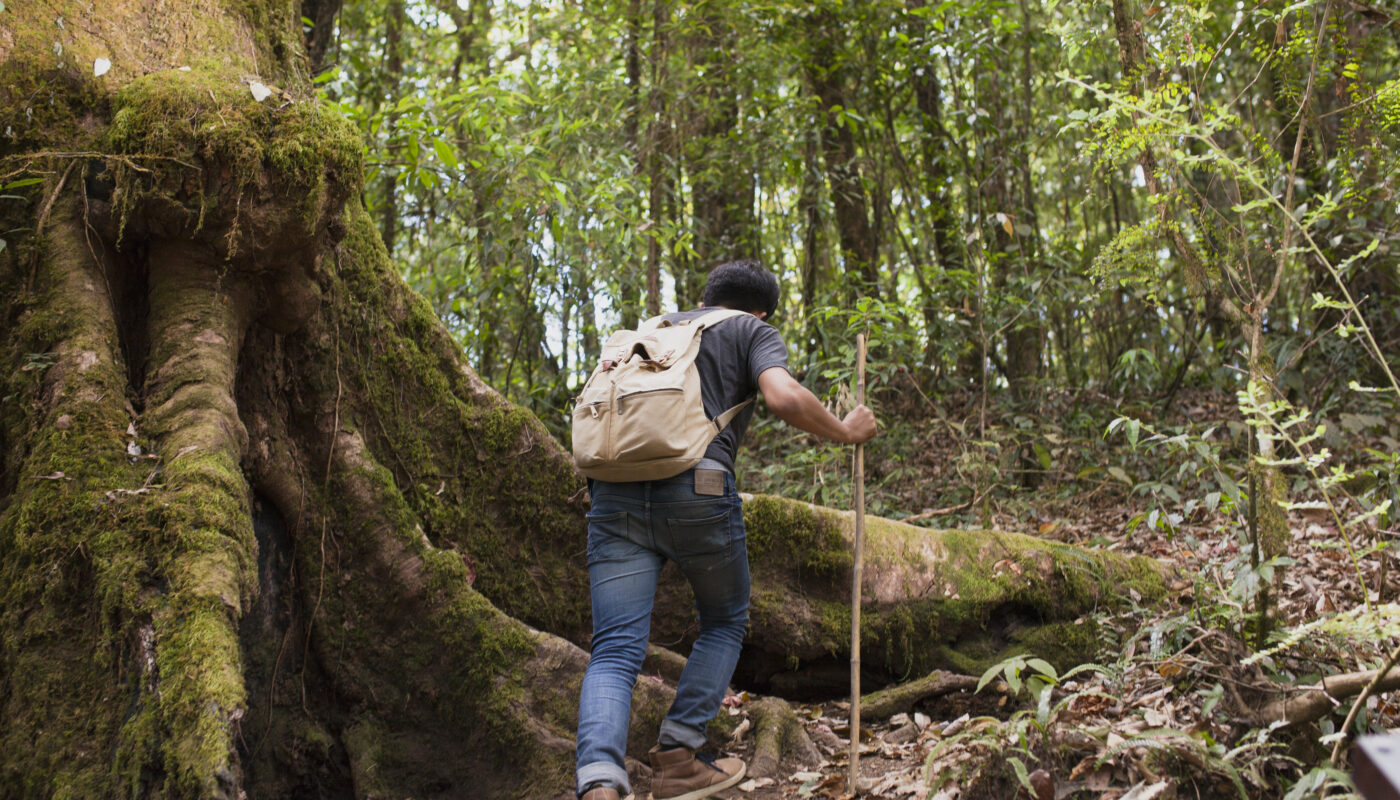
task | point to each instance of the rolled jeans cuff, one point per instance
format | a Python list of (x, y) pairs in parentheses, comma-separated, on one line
[(604, 772), (673, 733)]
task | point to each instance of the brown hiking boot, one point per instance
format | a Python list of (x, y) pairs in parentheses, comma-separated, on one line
[(679, 774), (600, 792)]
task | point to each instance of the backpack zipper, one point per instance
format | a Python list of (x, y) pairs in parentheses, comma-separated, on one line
[(645, 391)]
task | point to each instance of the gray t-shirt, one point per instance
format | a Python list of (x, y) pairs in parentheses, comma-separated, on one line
[(732, 356)]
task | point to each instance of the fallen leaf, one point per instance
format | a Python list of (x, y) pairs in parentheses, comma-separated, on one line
[(956, 725), (100, 67), (115, 493), (740, 729), (260, 92), (1156, 718), (898, 785), (1143, 791)]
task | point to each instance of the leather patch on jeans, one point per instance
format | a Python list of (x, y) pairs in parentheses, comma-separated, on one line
[(709, 481)]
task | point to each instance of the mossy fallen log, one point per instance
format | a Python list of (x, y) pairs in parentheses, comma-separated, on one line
[(952, 599)]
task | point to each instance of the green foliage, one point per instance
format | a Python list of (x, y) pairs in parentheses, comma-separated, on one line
[(530, 167), (1131, 260)]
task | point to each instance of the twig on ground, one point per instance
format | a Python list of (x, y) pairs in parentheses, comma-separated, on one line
[(1386, 674), (1317, 703), (939, 512)]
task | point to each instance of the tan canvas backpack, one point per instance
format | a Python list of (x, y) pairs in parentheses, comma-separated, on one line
[(640, 416)]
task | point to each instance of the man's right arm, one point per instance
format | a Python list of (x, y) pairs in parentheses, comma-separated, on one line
[(798, 407)]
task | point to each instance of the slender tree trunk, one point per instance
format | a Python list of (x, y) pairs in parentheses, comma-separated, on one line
[(722, 184), (1273, 524), (814, 262), (395, 20), (658, 151), (630, 288), (320, 37), (828, 75), (936, 156)]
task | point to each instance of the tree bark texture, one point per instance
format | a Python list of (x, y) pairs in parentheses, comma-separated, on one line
[(722, 194), (827, 73), (629, 282), (263, 532)]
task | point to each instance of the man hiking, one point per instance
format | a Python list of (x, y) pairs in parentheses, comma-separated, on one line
[(694, 519)]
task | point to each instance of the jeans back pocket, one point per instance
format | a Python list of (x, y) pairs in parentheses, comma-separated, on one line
[(703, 542)]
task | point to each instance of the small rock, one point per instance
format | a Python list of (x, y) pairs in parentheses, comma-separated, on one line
[(1044, 785), (903, 735), (826, 740), (64, 422)]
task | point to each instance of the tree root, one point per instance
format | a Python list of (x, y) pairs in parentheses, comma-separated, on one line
[(663, 662), (779, 736), (197, 320), (71, 573)]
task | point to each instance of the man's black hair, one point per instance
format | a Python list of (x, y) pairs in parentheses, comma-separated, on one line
[(742, 285)]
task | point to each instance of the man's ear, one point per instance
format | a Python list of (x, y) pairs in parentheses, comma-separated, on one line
[(760, 314)]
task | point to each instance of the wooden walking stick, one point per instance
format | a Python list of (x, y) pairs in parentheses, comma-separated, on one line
[(853, 783)]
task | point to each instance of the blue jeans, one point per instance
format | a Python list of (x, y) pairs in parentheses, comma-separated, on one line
[(633, 529)]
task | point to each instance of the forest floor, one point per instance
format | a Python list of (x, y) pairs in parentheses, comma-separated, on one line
[(1167, 708)]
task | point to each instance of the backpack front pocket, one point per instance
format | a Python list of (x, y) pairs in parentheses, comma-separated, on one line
[(651, 424)]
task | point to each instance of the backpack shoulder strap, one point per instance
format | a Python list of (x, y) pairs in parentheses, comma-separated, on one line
[(715, 316), (652, 323), (710, 320), (723, 420)]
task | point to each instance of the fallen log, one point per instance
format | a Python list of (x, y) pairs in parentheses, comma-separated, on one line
[(1315, 703), (902, 697), (957, 600)]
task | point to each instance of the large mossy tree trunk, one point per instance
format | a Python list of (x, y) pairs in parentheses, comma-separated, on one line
[(261, 531)]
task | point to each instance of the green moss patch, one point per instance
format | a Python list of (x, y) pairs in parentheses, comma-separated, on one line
[(932, 599), (202, 153)]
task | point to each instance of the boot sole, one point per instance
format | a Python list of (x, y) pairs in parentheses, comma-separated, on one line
[(699, 794)]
